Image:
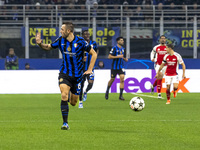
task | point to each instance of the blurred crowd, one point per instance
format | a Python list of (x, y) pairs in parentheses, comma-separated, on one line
[(138, 14), (102, 2)]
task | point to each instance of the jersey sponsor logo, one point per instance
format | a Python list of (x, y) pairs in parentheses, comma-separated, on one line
[(70, 54), (92, 45), (162, 52), (171, 63)]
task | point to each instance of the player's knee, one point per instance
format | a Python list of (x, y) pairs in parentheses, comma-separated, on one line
[(112, 79), (175, 88), (160, 75), (91, 84), (64, 96), (73, 103), (91, 81), (122, 80)]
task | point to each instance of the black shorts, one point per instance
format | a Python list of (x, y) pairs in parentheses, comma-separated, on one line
[(73, 82), (115, 72)]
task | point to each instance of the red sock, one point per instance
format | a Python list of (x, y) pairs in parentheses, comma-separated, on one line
[(159, 85), (155, 83), (168, 94)]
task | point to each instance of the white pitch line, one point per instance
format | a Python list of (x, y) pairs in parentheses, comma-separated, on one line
[(47, 121), (146, 95)]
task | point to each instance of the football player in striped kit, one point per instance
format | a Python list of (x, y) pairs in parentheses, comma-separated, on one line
[(88, 77), (71, 73), (117, 54)]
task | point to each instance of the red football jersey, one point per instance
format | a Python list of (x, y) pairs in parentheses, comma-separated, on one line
[(172, 62), (158, 53)]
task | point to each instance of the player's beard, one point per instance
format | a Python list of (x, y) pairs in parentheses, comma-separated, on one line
[(121, 44), (162, 43), (65, 35), (87, 39)]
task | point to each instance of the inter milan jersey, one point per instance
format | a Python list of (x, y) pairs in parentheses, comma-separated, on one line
[(93, 44), (73, 53), (117, 62)]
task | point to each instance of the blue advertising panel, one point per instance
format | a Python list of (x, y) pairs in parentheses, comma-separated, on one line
[(180, 38)]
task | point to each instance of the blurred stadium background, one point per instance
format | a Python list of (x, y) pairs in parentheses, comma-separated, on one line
[(140, 22), (30, 119)]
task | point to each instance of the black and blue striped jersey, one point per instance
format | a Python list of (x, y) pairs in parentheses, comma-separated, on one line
[(93, 44), (73, 53), (117, 62)]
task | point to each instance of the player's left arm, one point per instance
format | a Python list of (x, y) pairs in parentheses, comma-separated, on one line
[(183, 67), (92, 61), (180, 61)]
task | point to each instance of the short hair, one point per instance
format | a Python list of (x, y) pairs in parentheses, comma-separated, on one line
[(170, 46), (84, 31), (11, 49), (120, 37), (162, 36), (69, 25)]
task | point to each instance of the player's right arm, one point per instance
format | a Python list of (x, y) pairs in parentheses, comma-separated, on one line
[(40, 44), (114, 57), (161, 66), (112, 54), (180, 61), (153, 54), (183, 67)]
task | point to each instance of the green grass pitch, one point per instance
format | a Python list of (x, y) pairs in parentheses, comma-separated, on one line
[(33, 121)]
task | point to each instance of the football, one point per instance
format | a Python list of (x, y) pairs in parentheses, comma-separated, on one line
[(137, 104)]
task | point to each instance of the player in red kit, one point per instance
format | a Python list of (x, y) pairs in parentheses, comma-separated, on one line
[(157, 55), (172, 60)]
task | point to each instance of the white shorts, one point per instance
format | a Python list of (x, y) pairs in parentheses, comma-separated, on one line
[(163, 69), (171, 79)]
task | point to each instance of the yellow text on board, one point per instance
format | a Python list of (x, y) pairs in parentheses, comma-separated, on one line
[(102, 35), (45, 32), (189, 41)]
